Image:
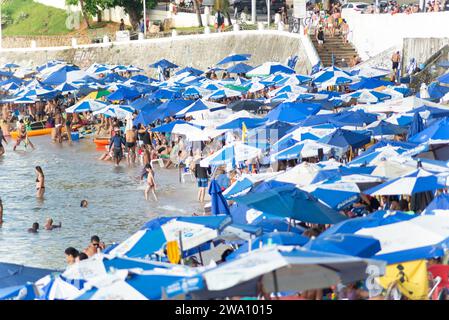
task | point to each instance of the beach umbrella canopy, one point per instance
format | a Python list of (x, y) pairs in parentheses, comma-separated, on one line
[(87, 105), (200, 105), (54, 287), (336, 195), (286, 200), (24, 100), (417, 181), (378, 155), (272, 131), (250, 123), (269, 68), (444, 78), (269, 239), (167, 109), (369, 72), (154, 235), (303, 149), (240, 68), (223, 93), (384, 128), (348, 244), (231, 154), (293, 111), (367, 96), (195, 91), (332, 76), (219, 205), (249, 105), (22, 292), (234, 58), (369, 83), (66, 88), (163, 64), (438, 204), (190, 70), (136, 284), (60, 74), (438, 131), (279, 269), (15, 274), (344, 138), (353, 118), (116, 111), (417, 125), (123, 93), (177, 126), (429, 238)]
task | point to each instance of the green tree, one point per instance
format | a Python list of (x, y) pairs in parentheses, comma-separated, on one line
[(91, 7), (134, 8)]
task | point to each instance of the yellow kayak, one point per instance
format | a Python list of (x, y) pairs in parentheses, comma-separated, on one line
[(32, 133)]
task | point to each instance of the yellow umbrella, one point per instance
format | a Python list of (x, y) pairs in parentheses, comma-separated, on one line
[(410, 277)]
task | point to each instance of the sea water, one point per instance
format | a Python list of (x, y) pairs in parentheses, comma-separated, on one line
[(116, 210)]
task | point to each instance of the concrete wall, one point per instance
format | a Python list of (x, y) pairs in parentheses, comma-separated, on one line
[(422, 49), (200, 51), (371, 34)]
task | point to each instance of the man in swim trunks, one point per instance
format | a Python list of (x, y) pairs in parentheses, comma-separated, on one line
[(22, 135), (117, 143), (2, 138), (131, 140)]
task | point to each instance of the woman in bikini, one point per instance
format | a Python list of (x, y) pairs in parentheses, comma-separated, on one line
[(151, 184), (40, 183)]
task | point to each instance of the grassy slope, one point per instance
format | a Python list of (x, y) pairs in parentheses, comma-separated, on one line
[(41, 20)]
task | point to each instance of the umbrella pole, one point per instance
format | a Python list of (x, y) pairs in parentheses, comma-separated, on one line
[(289, 224), (201, 257), (276, 285), (180, 244)]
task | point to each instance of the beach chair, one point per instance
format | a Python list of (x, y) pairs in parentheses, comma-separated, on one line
[(187, 172), (160, 161)]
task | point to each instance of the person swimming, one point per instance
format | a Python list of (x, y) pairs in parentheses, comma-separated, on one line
[(34, 228), (50, 226), (83, 204)]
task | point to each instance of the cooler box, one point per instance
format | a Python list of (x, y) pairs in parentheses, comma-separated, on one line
[(75, 136)]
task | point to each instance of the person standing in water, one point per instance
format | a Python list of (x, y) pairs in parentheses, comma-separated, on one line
[(151, 184), (117, 143), (131, 140), (1, 212), (22, 135), (2, 138), (40, 182)]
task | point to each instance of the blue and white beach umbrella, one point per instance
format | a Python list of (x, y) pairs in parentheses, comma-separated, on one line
[(349, 244), (190, 232), (87, 105), (223, 93), (269, 68), (231, 155), (367, 96), (417, 181), (54, 287), (117, 111), (338, 195)]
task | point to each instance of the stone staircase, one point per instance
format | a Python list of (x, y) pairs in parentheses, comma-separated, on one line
[(336, 47)]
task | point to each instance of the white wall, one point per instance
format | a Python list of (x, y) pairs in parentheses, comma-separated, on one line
[(374, 33)]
